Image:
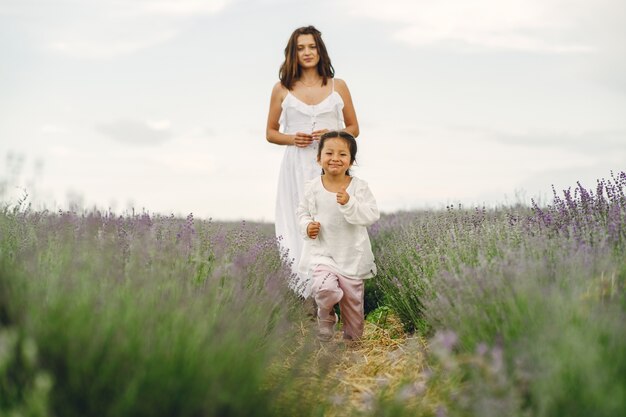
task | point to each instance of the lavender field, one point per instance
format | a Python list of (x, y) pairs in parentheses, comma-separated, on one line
[(513, 311)]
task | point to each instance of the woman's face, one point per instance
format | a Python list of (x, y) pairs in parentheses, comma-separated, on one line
[(307, 51)]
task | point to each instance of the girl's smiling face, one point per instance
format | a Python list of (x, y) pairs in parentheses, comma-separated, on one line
[(335, 157)]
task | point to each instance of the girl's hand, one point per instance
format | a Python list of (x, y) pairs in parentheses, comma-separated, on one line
[(318, 133), (342, 196), (313, 229), (302, 140)]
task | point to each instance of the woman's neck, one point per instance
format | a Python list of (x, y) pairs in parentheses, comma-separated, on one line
[(309, 75)]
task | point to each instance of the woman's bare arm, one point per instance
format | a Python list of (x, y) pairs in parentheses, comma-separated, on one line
[(349, 114), (272, 133)]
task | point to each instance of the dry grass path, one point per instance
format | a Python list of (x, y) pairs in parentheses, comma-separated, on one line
[(387, 364)]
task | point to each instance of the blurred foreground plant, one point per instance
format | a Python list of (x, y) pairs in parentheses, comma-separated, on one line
[(544, 285), (143, 315)]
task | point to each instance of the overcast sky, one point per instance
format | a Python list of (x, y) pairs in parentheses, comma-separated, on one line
[(162, 104)]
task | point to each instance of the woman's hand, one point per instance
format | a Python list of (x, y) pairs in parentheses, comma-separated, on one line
[(317, 134), (313, 229), (302, 140)]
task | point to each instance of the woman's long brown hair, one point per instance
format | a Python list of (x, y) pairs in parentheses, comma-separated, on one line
[(290, 71)]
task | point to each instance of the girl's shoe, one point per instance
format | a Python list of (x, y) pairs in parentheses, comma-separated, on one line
[(326, 327)]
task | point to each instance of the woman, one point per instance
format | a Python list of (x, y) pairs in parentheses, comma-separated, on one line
[(306, 103)]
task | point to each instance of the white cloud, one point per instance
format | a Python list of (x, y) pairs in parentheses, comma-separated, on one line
[(135, 132), (184, 162), (60, 151), (602, 143), (554, 26), (52, 129), (159, 124), (439, 164), (117, 8), (116, 45), (175, 7), (94, 29)]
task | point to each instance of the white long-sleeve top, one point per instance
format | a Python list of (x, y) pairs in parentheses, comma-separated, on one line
[(343, 242)]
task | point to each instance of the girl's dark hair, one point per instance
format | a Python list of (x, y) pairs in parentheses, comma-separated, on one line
[(290, 71), (338, 134)]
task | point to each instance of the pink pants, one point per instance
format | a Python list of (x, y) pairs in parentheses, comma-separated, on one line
[(330, 288)]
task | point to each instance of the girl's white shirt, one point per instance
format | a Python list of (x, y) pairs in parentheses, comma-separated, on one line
[(343, 243)]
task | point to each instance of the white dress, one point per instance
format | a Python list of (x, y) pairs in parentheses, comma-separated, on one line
[(299, 165)]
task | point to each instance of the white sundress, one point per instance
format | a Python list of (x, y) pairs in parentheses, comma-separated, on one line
[(299, 165)]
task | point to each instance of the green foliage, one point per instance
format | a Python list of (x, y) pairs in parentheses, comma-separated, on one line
[(144, 316), (24, 386), (550, 302), (138, 315)]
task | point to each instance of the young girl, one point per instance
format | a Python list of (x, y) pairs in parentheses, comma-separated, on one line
[(333, 215), (306, 102)]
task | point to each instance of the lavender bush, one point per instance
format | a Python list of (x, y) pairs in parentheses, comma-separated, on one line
[(543, 285), (148, 315), (525, 308), (585, 215)]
